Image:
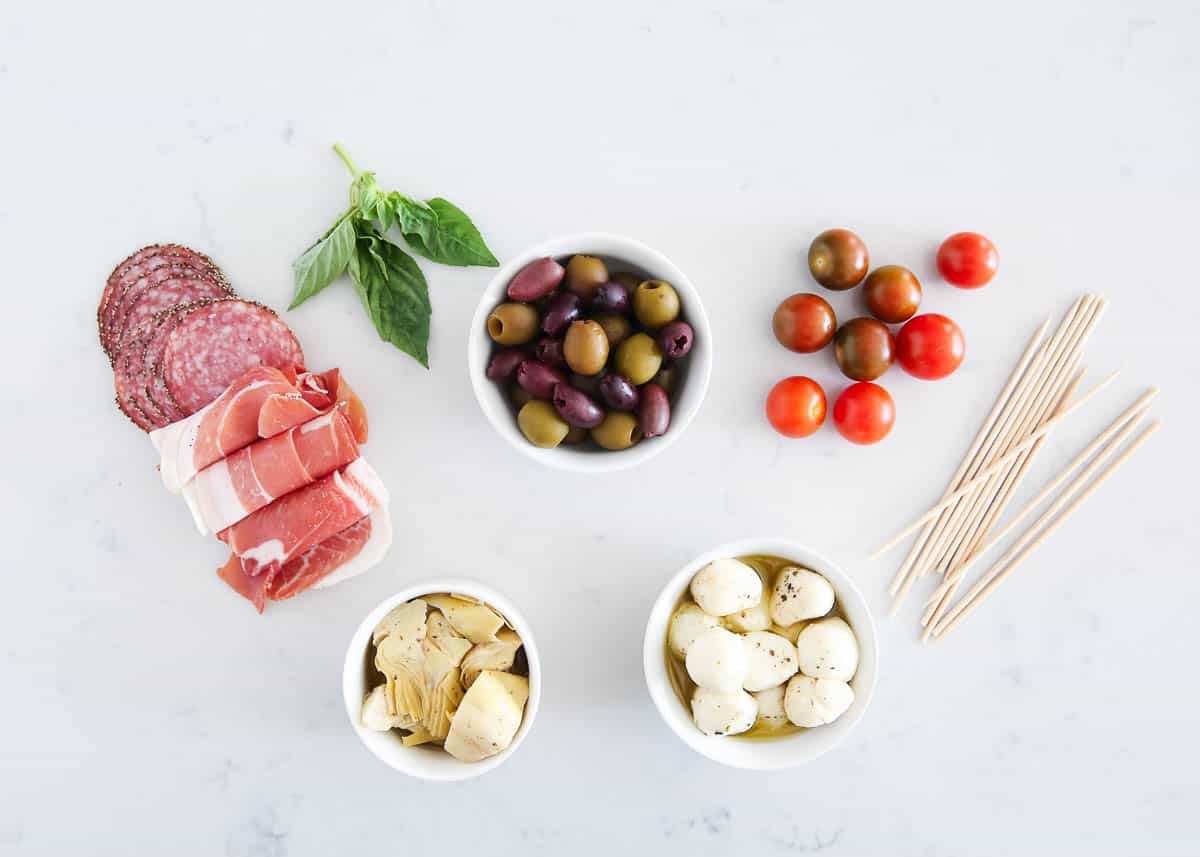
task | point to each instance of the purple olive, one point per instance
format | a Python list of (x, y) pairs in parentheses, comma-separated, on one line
[(676, 339), (536, 280), (563, 309), (611, 298), (539, 379), (576, 407), (618, 392), (654, 417), (550, 352), (590, 384), (504, 363)]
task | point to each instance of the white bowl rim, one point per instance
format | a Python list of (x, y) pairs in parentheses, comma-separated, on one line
[(763, 755), (422, 762), (691, 396)]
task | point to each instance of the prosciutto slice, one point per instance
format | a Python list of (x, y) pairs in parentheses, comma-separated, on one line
[(344, 555), (276, 534), (227, 424), (227, 491)]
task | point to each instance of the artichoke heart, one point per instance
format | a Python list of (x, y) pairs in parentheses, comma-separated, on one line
[(488, 716), (497, 655), (443, 703), (477, 622), (442, 636), (406, 621), (419, 735)]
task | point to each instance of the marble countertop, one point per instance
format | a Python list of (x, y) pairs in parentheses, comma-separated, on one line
[(148, 710)]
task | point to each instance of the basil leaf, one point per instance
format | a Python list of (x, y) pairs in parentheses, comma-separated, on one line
[(321, 263), (442, 232), (395, 294)]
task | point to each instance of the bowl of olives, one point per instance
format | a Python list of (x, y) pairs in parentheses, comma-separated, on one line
[(590, 352)]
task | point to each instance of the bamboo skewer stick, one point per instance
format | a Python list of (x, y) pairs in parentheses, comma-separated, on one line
[(931, 545), (997, 499), (984, 432), (1041, 529), (996, 466), (1133, 414)]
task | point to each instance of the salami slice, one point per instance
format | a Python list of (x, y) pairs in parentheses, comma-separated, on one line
[(170, 289), (133, 268), (124, 384), (215, 342), (153, 387)]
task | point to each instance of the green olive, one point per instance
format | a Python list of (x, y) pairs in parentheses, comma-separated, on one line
[(519, 395), (656, 303), (639, 358), (628, 279), (666, 378), (584, 274), (618, 431), (616, 327), (541, 424), (576, 435), (513, 324), (585, 347)]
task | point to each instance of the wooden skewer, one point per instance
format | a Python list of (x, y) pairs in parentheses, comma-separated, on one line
[(984, 432), (949, 518), (1044, 527), (1005, 459), (992, 507), (1131, 415), (986, 503)]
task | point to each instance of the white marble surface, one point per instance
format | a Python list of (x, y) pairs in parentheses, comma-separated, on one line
[(148, 710)]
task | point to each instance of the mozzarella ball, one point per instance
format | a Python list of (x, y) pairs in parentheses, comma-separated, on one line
[(717, 660), (791, 633), (753, 618), (688, 623), (828, 649), (770, 707), (816, 701), (800, 594), (723, 713), (771, 660), (726, 586)]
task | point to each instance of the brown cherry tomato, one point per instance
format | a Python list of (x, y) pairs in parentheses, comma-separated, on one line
[(892, 293), (796, 406), (804, 323), (838, 259), (864, 348)]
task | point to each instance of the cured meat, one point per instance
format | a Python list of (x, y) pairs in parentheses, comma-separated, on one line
[(226, 425), (317, 392), (268, 539), (282, 410), (135, 266), (344, 555), (124, 385), (162, 289), (232, 488), (216, 342)]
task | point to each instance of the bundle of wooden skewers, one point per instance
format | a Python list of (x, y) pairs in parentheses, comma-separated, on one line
[(962, 526)]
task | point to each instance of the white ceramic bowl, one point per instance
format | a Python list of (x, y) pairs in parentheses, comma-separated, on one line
[(431, 763), (620, 253), (767, 754)]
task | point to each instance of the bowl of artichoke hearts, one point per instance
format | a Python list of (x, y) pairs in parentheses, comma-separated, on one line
[(442, 680)]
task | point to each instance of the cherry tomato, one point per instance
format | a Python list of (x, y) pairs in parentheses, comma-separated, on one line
[(892, 293), (967, 260), (864, 413), (804, 323), (864, 348), (838, 259), (930, 346), (796, 406)]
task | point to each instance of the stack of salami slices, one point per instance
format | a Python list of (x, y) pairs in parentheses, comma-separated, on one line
[(264, 452)]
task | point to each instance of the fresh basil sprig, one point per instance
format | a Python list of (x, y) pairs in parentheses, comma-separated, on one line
[(388, 280)]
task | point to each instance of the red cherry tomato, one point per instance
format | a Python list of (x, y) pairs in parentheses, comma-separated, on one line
[(930, 346), (796, 406), (967, 260), (864, 413)]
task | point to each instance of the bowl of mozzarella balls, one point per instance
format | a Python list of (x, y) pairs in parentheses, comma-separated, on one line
[(761, 654), (590, 352)]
